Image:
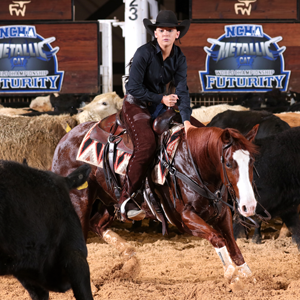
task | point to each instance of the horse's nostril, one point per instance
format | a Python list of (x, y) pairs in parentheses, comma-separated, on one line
[(244, 208)]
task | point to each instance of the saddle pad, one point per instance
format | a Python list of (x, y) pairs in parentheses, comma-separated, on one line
[(159, 172), (91, 152)]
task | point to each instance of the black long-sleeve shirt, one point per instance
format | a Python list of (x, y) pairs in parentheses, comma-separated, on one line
[(149, 74)]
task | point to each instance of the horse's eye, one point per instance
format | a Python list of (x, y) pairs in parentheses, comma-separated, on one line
[(228, 165), (104, 103)]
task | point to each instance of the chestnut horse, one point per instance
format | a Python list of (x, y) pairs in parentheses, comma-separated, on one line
[(213, 156)]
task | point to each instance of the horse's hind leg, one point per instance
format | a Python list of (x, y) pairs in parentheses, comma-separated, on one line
[(129, 266), (82, 201)]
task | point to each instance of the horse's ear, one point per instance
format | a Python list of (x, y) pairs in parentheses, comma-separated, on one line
[(226, 137), (252, 133)]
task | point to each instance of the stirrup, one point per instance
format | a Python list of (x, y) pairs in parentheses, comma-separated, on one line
[(136, 215)]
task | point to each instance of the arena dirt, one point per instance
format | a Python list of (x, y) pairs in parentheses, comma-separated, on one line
[(181, 267)]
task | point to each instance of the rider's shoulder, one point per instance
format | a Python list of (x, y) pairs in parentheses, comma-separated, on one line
[(148, 47), (178, 51), (145, 51)]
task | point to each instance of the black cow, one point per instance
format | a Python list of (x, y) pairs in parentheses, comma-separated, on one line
[(294, 107), (273, 101), (275, 98), (251, 100), (41, 240), (65, 103), (293, 97), (278, 165), (62, 104), (245, 120)]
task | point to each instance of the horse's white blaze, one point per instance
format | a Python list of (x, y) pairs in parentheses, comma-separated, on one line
[(247, 201)]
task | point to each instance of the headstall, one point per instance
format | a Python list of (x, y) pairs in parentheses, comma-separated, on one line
[(200, 188)]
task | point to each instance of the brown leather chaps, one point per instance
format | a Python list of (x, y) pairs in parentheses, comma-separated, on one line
[(137, 120)]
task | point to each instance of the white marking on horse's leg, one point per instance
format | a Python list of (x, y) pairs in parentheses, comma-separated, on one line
[(112, 238), (244, 270), (247, 198), (130, 267), (228, 265)]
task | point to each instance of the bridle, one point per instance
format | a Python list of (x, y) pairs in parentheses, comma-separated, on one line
[(201, 188), (236, 213)]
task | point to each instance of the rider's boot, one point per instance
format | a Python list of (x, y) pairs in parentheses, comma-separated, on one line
[(135, 213), (129, 208)]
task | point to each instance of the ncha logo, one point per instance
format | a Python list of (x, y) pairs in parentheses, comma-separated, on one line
[(244, 59), (28, 63)]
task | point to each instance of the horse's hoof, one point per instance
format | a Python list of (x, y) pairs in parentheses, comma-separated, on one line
[(129, 252), (128, 269), (229, 271), (241, 274), (244, 270), (136, 215)]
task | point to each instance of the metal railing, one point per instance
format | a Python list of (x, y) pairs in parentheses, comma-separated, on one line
[(197, 99)]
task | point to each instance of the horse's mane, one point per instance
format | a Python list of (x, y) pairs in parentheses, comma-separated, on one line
[(208, 139)]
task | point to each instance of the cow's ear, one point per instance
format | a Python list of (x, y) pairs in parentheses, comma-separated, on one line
[(78, 177), (252, 133)]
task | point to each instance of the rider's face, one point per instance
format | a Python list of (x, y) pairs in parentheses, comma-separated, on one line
[(166, 36)]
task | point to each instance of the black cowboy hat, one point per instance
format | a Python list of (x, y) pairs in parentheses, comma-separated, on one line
[(166, 18)]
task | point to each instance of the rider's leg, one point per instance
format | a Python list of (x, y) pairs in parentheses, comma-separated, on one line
[(138, 124)]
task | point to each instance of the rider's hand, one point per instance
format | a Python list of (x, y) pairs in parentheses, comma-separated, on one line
[(187, 126), (170, 100)]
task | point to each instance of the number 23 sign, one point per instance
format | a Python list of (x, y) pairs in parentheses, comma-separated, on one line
[(133, 9)]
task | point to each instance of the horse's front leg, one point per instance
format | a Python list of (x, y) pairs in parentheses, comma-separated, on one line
[(200, 228), (224, 226)]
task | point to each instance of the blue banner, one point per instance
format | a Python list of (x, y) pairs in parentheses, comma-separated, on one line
[(244, 59), (28, 63)]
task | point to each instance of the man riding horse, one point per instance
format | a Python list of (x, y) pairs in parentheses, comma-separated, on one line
[(153, 66)]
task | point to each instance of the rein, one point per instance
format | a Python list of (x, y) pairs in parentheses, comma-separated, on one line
[(203, 190)]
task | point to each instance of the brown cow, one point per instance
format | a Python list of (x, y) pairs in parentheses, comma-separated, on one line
[(292, 118)]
